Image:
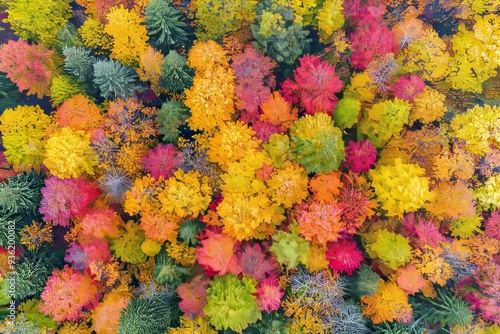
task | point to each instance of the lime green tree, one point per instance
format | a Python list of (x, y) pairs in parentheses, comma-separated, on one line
[(38, 20)]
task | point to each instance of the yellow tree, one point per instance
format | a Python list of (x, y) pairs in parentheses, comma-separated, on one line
[(129, 35)]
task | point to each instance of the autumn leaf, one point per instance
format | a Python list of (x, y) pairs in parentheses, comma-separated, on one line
[(410, 280), (325, 186), (277, 111), (216, 254)]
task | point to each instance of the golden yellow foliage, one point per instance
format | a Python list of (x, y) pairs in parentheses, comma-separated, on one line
[(211, 99), (427, 56), (479, 127), (428, 106), (129, 35), (452, 201), (388, 303), (474, 62), (457, 163), (233, 141), (68, 154), (430, 262), (401, 187), (150, 68)]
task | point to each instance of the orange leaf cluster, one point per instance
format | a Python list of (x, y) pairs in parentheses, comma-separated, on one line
[(453, 200), (319, 221), (277, 111), (325, 186), (79, 113), (388, 303), (410, 280)]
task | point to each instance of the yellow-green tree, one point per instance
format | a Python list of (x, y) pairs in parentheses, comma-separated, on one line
[(475, 60), (217, 19), (38, 20), (94, 36), (24, 130)]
